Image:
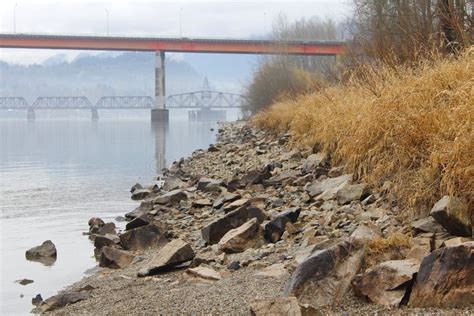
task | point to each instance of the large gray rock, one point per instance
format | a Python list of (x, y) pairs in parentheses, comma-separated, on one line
[(145, 207), (142, 238), (139, 221), (140, 194), (171, 197), (427, 225), (314, 161), (387, 283), (352, 192), (225, 198), (255, 176), (172, 183), (61, 300), (328, 188), (107, 240), (240, 238), (115, 259), (45, 253), (453, 215), (446, 278), (172, 254), (278, 179), (209, 185), (275, 228), (215, 230), (324, 277)]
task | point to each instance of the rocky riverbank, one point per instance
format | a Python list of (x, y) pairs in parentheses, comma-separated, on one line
[(251, 225)]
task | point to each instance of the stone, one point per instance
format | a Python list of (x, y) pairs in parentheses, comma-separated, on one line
[(352, 192), (387, 283), (37, 300), (172, 183), (279, 306), (142, 238), (456, 241), (336, 172), (314, 161), (255, 177), (236, 204), (45, 253), (171, 197), (276, 180), (172, 254), (95, 222), (214, 231), (453, 215), (107, 240), (274, 229), (225, 198), (108, 228), (204, 273), (202, 203), (365, 233), (276, 270), (140, 194), (139, 221), (24, 281), (427, 225), (115, 259), (417, 253), (446, 278), (324, 277), (136, 186), (61, 300), (329, 187), (145, 207), (209, 185), (240, 238), (234, 265)]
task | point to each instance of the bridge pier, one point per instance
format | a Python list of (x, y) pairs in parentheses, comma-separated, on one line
[(30, 114), (94, 114), (160, 113)]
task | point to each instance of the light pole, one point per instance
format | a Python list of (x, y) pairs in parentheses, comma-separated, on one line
[(14, 18), (106, 10), (180, 22)]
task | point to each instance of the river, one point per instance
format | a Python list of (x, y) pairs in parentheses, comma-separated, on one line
[(56, 173)]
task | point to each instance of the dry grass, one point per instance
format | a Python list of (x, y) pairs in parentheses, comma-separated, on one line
[(413, 127), (394, 247)]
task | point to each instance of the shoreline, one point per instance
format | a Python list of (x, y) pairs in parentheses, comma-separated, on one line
[(245, 169)]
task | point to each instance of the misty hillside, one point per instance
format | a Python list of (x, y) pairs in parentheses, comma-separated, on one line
[(128, 73)]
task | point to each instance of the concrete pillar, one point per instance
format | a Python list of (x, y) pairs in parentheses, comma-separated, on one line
[(160, 130), (94, 114), (30, 114), (159, 113)]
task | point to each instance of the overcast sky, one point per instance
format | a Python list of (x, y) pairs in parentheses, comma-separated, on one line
[(224, 18)]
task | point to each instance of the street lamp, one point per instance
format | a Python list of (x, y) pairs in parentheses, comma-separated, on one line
[(106, 10), (180, 22), (14, 17)]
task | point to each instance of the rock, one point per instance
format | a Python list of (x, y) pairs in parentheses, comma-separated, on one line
[(61, 300), (276, 270), (289, 175), (172, 254), (276, 227), (139, 221), (417, 253), (255, 177), (115, 259), (214, 231), (95, 223), (108, 228), (212, 148), (446, 278), (234, 265), (352, 192), (236, 204), (279, 306), (209, 185), (336, 172), (328, 188), (142, 238), (456, 241), (365, 233), (387, 283), (136, 186), (45, 253), (324, 277), (225, 198), (453, 215), (171, 197), (24, 281), (140, 194), (37, 300), (427, 225), (172, 183), (107, 240), (314, 161), (240, 238), (145, 207), (202, 203), (204, 273)]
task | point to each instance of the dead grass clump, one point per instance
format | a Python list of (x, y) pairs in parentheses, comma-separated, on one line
[(413, 127), (394, 247)]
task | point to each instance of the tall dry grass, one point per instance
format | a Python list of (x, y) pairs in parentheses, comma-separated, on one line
[(411, 126)]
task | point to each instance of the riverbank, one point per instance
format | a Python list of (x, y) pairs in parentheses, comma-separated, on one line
[(250, 224)]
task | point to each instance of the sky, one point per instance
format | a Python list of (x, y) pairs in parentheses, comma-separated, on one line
[(215, 19)]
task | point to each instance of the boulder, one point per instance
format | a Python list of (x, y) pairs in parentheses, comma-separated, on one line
[(204, 273), (61, 300), (108, 228), (276, 180), (324, 277), (279, 306), (172, 183), (328, 188), (115, 259), (446, 278), (276, 227), (136, 186), (95, 222), (171, 197), (139, 221), (107, 240), (45, 253), (456, 241), (37, 300), (387, 283), (427, 225), (240, 238), (142, 238), (209, 185), (24, 281), (145, 207), (365, 233), (255, 176), (202, 203), (417, 253), (236, 204), (140, 194), (172, 254), (453, 215), (225, 198), (214, 231), (314, 161), (352, 192)]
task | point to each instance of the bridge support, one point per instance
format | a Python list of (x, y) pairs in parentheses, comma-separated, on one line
[(160, 113), (30, 114), (94, 114)]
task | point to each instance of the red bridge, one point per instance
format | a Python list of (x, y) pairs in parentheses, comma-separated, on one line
[(162, 45)]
